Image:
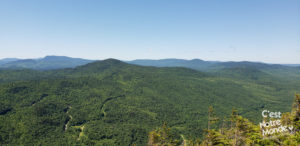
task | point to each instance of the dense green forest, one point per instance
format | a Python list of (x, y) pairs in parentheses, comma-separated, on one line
[(114, 103)]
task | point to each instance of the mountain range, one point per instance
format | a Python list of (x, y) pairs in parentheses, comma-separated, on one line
[(111, 102), (60, 62)]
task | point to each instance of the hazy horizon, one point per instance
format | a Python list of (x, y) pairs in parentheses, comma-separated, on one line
[(151, 59)]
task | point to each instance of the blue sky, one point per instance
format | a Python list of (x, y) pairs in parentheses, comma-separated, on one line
[(224, 30)]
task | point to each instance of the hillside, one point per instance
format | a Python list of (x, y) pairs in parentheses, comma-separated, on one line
[(114, 103)]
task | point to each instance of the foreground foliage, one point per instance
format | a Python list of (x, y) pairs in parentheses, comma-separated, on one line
[(239, 131)]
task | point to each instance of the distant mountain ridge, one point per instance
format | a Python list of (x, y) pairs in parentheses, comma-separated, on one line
[(46, 63), (60, 62), (194, 64), (202, 65), (7, 60)]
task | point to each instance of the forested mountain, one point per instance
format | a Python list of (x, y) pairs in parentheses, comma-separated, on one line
[(46, 63), (114, 103), (242, 69)]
